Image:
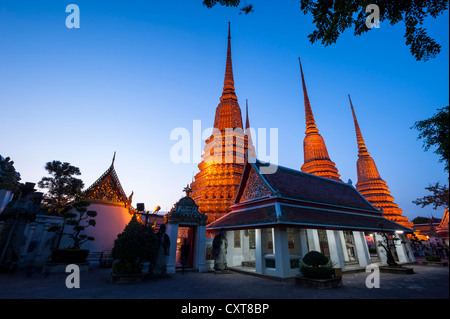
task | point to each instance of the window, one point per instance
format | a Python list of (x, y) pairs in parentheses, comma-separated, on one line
[(237, 239)]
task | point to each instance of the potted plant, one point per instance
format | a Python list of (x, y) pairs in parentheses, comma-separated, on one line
[(434, 260), (317, 271), (78, 217), (134, 246)]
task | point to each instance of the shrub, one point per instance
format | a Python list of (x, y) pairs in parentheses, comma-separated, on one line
[(135, 245), (316, 266), (314, 259), (432, 258)]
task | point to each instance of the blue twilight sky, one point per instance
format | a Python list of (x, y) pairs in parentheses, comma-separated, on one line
[(136, 70)]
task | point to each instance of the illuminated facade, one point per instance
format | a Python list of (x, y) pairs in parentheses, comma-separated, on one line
[(113, 207), (316, 158), (371, 185), (215, 185)]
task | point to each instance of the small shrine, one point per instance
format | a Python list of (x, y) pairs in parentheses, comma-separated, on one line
[(186, 225)]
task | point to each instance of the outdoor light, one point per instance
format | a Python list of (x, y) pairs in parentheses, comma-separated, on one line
[(399, 231), (157, 208)]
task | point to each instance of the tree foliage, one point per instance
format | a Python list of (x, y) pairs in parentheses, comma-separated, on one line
[(420, 220), (332, 18), (79, 218), (136, 244), (439, 197), (435, 133), (62, 187)]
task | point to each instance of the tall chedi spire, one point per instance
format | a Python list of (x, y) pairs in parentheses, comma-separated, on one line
[(316, 158), (250, 146), (216, 184), (371, 185)]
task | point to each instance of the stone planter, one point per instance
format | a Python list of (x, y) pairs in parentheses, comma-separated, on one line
[(435, 263), (55, 268), (318, 283), (127, 278)]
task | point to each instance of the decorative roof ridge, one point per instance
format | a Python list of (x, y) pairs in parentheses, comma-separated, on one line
[(110, 171), (325, 179)]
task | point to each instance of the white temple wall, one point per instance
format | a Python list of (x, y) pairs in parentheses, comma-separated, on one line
[(235, 254), (110, 221)]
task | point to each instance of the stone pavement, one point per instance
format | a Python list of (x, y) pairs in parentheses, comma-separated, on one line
[(427, 283)]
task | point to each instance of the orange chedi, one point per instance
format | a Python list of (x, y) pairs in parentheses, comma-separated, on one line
[(371, 185), (216, 184), (316, 158)]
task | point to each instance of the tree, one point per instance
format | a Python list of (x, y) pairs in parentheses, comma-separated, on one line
[(435, 133), (388, 243), (332, 18), (420, 220), (79, 217), (62, 185), (439, 197), (136, 244)]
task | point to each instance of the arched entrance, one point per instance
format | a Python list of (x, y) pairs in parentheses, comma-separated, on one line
[(184, 222)]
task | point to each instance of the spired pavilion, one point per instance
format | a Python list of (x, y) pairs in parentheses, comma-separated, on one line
[(273, 220)]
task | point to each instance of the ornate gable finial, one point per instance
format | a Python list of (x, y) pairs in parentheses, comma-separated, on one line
[(114, 158), (187, 190)]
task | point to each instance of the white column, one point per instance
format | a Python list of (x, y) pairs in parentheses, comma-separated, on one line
[(361, 248), (313, 240), (380, 250), (259, 260), (29, 236), (172, 232), (334, 244), (201, 249), (412, 258), (42, 241), (343, 245), (400, 248), (303, 242), (282, 260)]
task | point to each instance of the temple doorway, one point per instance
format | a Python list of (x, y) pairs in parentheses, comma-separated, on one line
[(323, 242), (350, 247), (186, 234)]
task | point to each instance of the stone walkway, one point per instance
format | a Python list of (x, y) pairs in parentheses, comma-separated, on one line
[(427, 283)]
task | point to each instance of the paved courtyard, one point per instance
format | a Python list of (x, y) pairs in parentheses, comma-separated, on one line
[(427, 283)]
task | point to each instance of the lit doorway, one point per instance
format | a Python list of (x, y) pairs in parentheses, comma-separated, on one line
[(186, 234)]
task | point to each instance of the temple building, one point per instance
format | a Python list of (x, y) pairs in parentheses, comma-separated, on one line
[(442, 229), (113, 207), (277, 218), (215, 185), (371, 185), (316, 158)]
